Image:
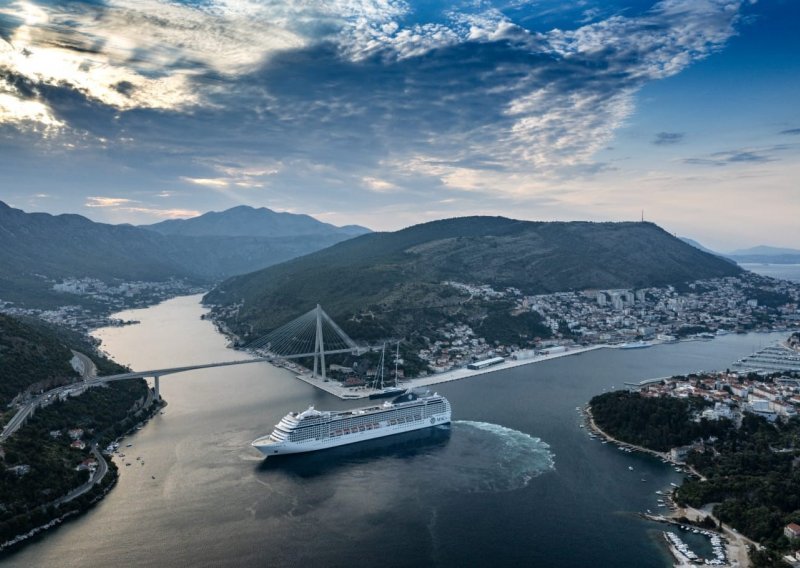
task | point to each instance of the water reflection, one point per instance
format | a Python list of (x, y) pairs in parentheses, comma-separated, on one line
[(398, 446)]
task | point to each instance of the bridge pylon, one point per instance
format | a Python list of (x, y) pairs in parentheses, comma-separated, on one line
[(314, 334), (319, 344)]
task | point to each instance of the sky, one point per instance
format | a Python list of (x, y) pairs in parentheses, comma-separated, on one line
[(388, 113)]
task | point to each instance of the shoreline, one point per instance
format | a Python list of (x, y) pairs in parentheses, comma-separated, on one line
[(106, 485), (338, 390), (736, 544), (345, 393)]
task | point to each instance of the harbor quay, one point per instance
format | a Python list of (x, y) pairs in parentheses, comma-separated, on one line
[(349, 393)]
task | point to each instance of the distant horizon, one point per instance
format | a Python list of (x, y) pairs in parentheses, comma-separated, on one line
[(732, 251)]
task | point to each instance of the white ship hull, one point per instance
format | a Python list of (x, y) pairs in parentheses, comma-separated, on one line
[(385, 423)]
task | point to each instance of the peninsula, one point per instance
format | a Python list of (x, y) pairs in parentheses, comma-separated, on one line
[(738, 435)]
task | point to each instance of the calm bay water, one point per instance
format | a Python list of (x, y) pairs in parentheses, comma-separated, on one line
[(514, 481), (782, 271)]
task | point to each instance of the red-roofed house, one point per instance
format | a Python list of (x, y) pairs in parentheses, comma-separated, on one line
[(792, 530)]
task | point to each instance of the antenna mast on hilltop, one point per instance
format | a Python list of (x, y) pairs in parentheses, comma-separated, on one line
[(642, 215)]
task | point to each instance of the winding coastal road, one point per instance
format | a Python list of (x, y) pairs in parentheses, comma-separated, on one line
[(94, 479)]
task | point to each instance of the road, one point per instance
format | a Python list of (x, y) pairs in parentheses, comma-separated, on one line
[(88, 371), (83, 365), (96, 478)]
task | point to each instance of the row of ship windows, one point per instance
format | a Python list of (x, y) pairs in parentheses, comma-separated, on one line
[(297, 436), (361, 423)]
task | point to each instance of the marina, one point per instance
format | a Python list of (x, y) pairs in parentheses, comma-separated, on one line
[(771, 359), (684, 555)]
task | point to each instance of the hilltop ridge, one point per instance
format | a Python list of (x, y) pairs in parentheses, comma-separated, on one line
[(245, 221), (399, 270)]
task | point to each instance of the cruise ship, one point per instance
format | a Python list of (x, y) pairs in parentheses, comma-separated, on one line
[(313, 429)]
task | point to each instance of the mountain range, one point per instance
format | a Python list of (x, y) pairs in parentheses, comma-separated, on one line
[(758, 254), (244, 221), (404, 270), (37, 249), (767, 255)]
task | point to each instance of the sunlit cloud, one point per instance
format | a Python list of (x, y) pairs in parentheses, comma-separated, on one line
[(28, 114), (379, 185), (107, 201), (163, 213), (208, 182), (117, 205)]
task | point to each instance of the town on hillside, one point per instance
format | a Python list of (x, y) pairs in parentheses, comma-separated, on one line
[(627, 317)]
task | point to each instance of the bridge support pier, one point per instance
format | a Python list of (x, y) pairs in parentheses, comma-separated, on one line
[(156, 389)]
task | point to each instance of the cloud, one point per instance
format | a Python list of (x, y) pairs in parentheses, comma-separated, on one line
[(379, 185), (739, 156), (208, 182), (26, 114), (791, 131), (229, 94), (668, 138), (124, 205), (162, 213), (107, 201)]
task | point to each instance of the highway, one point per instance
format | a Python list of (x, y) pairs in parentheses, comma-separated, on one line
[(88, 371)]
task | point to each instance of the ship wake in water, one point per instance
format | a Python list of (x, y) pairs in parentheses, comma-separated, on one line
[(464, 457), (487, 458)]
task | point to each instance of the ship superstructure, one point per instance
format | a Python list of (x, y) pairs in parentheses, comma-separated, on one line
[(313, 429)]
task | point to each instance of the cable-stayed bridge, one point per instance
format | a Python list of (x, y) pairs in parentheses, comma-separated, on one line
[(314, 334)]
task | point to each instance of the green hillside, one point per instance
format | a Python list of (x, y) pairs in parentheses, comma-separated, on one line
[(34, 353), (399, 272)]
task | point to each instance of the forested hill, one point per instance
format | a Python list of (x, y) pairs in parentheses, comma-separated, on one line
[(386, 270), (35, 353)]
